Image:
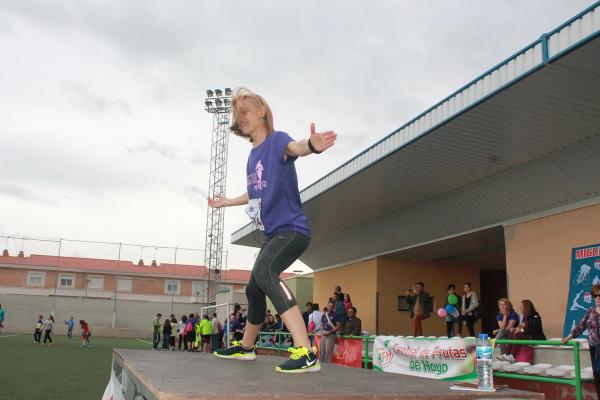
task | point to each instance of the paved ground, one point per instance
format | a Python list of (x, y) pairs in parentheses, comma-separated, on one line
[(201, 376)]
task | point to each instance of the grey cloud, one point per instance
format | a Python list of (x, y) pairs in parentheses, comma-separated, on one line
[(92, 102), (23, 193), (199, 159), (195, 195), (41, 160), (155, 148)]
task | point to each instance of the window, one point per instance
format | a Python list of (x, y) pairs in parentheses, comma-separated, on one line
[(124, 284), (95, 282), (403, 304), (172, 287), (225, 289), (66, 281), (198, 288), (36, 278)]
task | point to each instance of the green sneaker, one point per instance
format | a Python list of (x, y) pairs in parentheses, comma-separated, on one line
[(237, 352), (301, 360)]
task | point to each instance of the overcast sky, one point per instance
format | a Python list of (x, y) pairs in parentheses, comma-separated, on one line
[(102, 127)]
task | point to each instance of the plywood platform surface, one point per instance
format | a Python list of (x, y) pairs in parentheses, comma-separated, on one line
[(195, 376)]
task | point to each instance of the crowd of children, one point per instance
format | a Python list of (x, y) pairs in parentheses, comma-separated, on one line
[(46, 326), (191, 333)]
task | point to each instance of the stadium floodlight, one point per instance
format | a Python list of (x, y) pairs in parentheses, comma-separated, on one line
[(209, 93), (213, 251), (208, 103)]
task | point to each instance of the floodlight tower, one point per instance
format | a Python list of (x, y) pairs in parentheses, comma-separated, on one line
[(218, 103)]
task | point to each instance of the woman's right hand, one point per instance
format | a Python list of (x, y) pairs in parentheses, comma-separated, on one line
[(218, 202), (565, 340)]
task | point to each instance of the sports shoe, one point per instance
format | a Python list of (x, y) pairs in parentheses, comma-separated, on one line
[(237, 352), (301, 360)]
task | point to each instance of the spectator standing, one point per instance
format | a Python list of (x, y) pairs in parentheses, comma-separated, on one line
[(420, 304), (48, 328), (307, 313), (190, 331), (156, 326), (347, 302), (70, 324), (314, 319), (352, 327), (166, 331), (173, 322), (206, 328), (451, 319), (181, 332), (85, 334), (1, 318), (37, 333), (469, 303), (590, 322), (330, 327), (214, 334)]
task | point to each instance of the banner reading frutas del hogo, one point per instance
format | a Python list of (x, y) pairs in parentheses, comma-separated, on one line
[(447, 359)]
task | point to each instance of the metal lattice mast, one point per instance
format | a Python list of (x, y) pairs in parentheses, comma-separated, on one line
[(219, 105)]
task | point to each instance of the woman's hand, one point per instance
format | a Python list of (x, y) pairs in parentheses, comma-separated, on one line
[(565, 340), (218, 202), (321, 141)]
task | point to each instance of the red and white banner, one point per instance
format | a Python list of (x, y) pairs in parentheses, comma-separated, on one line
[(348, 352)]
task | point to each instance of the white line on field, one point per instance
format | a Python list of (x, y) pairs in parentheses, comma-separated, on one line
[(14, 334), (145, 341)]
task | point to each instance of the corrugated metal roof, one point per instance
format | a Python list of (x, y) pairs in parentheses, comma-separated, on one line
[(510, 118)]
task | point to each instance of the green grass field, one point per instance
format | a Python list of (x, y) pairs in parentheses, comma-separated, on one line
[(63, 371)]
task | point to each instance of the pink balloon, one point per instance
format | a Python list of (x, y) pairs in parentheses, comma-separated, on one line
[(441, 312)]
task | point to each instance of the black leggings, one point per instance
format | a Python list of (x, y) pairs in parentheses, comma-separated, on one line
[(596, 375), (276, 255), (470, 320), (47, 336)]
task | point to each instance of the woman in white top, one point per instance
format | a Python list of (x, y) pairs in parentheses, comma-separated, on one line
[(468, 306), (48, 328)]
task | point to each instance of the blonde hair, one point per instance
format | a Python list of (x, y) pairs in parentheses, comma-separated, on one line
[(240, 94), (507, 301)]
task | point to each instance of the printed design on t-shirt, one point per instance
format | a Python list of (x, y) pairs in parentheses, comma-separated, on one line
[(253, 211), (255, 179)]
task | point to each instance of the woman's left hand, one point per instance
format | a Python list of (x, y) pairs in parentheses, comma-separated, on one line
[(321, 141)]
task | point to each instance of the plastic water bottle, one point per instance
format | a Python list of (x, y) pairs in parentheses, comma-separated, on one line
[(485, 373)]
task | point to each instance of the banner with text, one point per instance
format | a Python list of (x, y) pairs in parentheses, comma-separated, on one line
[(448, 359), (585, 272), (347, 352)]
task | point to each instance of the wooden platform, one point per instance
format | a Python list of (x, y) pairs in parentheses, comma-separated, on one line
[(194, 376)]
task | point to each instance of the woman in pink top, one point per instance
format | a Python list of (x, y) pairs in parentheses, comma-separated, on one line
[(347, 302)]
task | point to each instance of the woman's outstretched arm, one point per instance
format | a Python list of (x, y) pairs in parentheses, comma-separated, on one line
[(222, 201), (318, 143)]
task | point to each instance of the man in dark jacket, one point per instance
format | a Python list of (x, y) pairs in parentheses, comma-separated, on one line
[(421, 306), (353, 325)]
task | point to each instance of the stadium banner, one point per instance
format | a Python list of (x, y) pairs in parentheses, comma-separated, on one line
[(436, 358), (348, 352), (585, 272)]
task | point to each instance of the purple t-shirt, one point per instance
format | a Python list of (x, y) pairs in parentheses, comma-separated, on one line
[(512, 315), (274, 200)]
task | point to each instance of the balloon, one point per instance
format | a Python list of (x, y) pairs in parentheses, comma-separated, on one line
[(455, 314), (452, 299), (450, 309), (441, 312)]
